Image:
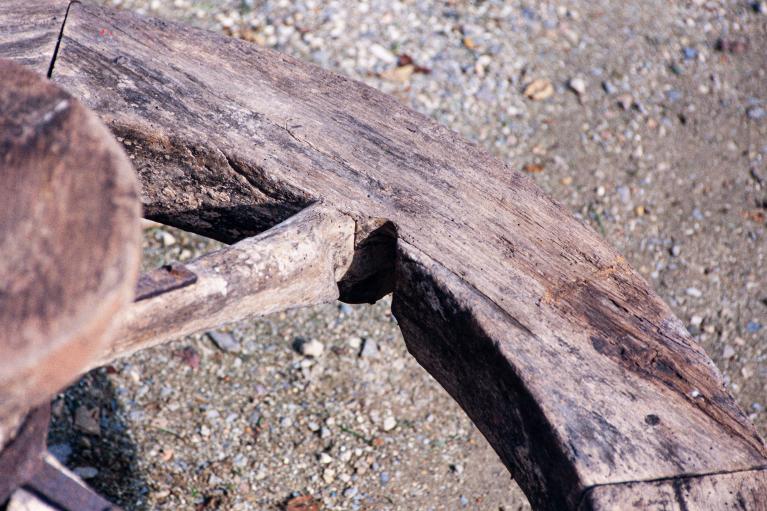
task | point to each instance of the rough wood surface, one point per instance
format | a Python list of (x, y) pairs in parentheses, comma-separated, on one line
[(293, 264), (29, 31), (740, 491), (69, 239), (575, 371)]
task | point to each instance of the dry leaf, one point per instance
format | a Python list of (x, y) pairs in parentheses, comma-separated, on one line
[(533, 168), (398, 74), (302, 503), (539, 89)]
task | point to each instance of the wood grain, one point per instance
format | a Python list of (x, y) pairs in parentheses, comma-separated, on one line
[(29, 31), (575, 371), (69, 239), (741, 491), (293, 264)]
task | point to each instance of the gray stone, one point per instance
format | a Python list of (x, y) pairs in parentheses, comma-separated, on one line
[(86, 472), (369, 349), (225, 341), (61, 452)]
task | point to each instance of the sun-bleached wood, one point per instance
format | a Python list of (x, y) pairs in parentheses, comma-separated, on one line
[(294, 264), (69, 239), (574, 370)]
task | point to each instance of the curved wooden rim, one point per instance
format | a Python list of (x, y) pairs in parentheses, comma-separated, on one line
[(576, 372)]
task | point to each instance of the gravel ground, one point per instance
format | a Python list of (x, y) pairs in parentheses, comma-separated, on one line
[(646, 118)]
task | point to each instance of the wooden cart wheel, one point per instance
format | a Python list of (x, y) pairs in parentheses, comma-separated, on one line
[(69, 239), (589, 389)]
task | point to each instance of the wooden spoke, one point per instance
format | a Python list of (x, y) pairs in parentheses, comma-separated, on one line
[(294, 264), (589, 389)]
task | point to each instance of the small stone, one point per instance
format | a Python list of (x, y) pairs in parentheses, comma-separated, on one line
[(389, 423), (57, 408), (86, 472), (190, 357), (464, 501), (369, 349), (457, 469), (624, 193), (166, 238), (577, 85), (328, 475), (625, 101), (728, 352), (753, 326), (225, 341), (313, 426), (61, 452), (675, 250), (87, 420), (608, 87), (312, 348), (382, 53), (673, 95), (355, 342), (539, 89), (759, 7), (350, 492), (345, 309), (384, 478), (756, 113), (204, 430), (694, 292), (286, 422), (695, 393), (689, 53), (324, 458)]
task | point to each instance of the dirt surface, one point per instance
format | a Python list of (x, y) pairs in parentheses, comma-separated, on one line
[(646, 118)]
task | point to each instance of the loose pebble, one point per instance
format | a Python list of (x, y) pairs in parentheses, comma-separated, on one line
[(225, 341)]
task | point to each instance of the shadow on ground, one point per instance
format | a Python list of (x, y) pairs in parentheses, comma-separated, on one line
[(89, 434)]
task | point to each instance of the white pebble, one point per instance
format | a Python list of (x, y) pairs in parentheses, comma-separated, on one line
[(313, 348), (578, 85), (389, 423)]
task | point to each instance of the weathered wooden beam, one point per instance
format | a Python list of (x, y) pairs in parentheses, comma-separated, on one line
[(69, 237), (29, 31), (575, 371), (294, 264)]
